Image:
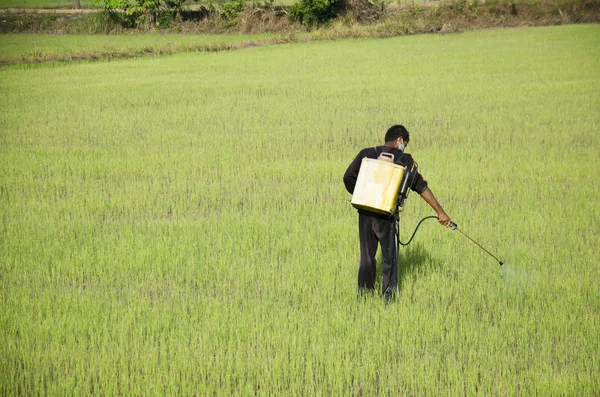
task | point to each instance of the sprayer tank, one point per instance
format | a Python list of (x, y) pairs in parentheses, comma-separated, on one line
[(377, 186)]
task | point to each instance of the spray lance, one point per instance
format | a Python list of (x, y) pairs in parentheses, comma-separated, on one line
[(453, 226), (403, 194)]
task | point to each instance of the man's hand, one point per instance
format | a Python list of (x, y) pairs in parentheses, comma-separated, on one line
[(443, 218)]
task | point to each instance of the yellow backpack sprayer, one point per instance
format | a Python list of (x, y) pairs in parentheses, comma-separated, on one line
[(382, 187)]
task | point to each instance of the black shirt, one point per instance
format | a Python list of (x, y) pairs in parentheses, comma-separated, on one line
[(419, 184)]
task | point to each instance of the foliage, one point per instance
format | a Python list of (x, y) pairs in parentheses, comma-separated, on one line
[(164, 19), (139, 11), (232, 9), (314, 12)]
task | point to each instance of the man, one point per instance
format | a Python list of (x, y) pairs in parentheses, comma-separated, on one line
[(374, 228)]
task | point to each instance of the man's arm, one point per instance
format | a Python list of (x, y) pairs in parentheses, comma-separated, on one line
[(443, 218), (351, 174)]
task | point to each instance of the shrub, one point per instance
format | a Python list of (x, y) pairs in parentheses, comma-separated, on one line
[(232, 9), (314, 12), (164, 19), (140, 11)]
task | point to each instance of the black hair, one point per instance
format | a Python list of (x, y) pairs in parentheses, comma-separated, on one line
[(395, 132)]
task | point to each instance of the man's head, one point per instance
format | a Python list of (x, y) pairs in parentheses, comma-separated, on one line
[(397, 136)]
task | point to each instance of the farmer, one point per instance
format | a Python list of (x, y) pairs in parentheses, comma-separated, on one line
[(374, 227)]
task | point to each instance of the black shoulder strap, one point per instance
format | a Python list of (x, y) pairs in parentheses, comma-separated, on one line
[(405, 161)]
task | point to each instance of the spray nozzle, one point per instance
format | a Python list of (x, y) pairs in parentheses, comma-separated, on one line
[(453, 225)]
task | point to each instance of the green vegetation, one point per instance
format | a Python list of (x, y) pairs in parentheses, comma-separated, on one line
[(178, 225), (44, 4), (189, 4), (314, 12), (46, 46), (136, 6), (310, 20)]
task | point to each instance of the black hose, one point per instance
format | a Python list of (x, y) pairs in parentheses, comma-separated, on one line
[(453, 225), (415, 232)]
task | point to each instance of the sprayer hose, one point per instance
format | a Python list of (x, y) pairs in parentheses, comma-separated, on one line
[(415, 232)]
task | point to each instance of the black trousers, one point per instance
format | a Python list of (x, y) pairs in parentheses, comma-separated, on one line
[(373, 230)]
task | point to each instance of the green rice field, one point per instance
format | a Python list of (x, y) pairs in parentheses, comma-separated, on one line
[(178, 225)]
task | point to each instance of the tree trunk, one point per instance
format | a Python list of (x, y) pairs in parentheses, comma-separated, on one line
[(76, 4)]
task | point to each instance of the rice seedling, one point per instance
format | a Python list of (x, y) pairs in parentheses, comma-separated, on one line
[(178, 225)]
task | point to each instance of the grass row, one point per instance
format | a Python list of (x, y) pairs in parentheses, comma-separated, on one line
[(18, 48)]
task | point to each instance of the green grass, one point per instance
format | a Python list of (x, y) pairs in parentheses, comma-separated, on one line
[(178, 225), (34, 45)]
